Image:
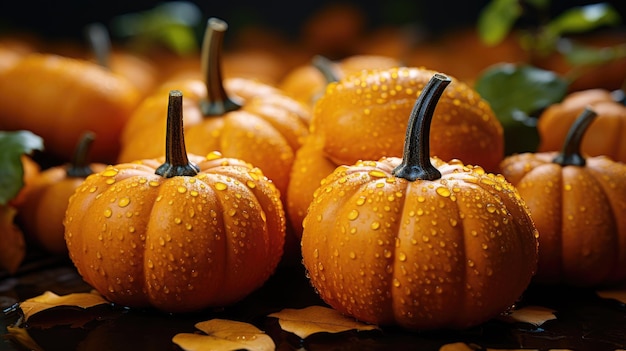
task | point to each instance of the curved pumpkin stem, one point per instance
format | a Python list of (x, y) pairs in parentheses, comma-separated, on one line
[(176, 160), (218, 102), (100, 42), (416, 157), (570, 153), (79, 167), (326, 67)]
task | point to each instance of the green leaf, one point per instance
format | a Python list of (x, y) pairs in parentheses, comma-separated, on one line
[(584, 19), (497, 19), (516, 93), (12, 146), (172, 24), (582, 55)]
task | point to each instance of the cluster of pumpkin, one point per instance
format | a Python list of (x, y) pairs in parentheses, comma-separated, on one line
[(333, 165)]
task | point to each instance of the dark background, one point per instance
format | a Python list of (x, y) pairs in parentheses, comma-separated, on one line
[(67, 18)]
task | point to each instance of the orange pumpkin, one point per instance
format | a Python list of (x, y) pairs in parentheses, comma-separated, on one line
[(418, 242), (41, 212), (577, 203), (373, 106), (604, 137), (239, 117), (306, 83), (58, 98), (138, 70), (180, 235), (464, 127)]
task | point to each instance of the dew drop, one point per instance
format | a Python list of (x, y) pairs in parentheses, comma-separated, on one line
[(123, 202), (353, 215), (445, 192), (108, 213)]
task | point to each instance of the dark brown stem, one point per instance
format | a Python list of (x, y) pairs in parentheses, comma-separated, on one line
[(326, 67), (100, 42), (570, 153), (176, 160), (416, 157), (79, 167), (217, 102)]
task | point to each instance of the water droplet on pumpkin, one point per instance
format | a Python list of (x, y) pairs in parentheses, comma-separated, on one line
[(375, 225), (110, 172), (123, 202), (402, 256), (353, 215), (352, 255), (442, 191), (108, 213)]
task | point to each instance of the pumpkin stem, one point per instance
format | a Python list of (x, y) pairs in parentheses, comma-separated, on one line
[(217, 102), (100, 42), (79, 167), (176, 161), (416, 157), (570, 153), (326, 67)]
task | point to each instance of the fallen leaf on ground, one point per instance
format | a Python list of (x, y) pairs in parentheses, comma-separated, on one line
[(535, 315), (50, 309), (20, 336), (223, 335), (317, 319), (618, 294), (12, 244)]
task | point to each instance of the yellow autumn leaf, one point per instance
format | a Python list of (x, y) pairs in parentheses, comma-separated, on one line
[(49, 300), (21, 337), (12, 244), (225, 335), (317, 319), (618, 294), (535, 315)]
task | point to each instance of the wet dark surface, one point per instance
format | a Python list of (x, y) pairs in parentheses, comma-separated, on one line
[(584, 320)]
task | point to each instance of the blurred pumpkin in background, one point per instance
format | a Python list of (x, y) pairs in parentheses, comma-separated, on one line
[(45, 198), (58, 98), (605, 135), (241, 118)]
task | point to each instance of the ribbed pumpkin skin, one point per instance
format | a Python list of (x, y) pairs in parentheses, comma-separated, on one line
[(579, 213), (448, 253), (178, 244), (266, 132), (372, 106)]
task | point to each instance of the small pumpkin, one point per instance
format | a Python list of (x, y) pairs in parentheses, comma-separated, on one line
[(577, 202), (58, 98), (604, 137), (239, 117), (418, 242), (179, 235), (41, 212)]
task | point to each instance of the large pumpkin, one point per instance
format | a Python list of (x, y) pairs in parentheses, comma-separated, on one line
[(578, 204), (179, 235), (418, 242)]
